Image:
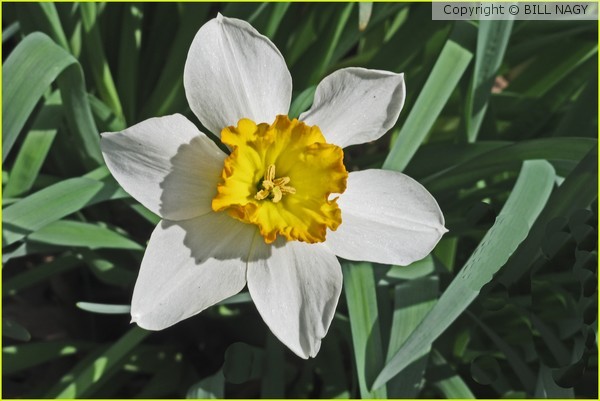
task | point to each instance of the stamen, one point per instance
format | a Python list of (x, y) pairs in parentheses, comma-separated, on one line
[(274, 187)]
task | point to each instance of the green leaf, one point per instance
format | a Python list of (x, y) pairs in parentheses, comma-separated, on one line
[(35, 148), (211, 387), (79, 234), (94, 49), (20, 357), (364, 15), (82, 382), (546, 387), (492, 39), (105, 309), (412, 301), (449, 67), (359, 286), (27, 73), (450, 384), (43, 17), (517, 363), (53, 203), (302, 102), (272, 384), (168, 94), (508, 157), (526, 201), (14, 330), (577, 191), (129, 57), (243, 363), (40, 273)]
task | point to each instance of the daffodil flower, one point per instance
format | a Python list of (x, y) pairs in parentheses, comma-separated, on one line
[(275, 212)]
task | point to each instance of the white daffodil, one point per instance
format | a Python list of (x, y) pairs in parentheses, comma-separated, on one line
[(264, 215)]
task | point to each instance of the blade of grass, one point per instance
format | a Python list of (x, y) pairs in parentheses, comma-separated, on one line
[(526, 201), (105, 309), (83, 382), (492, 39), (211, 387), (20, 357), (129, 57), (447, 71), (578, 190), (43, 17), (359, 286), (35, 147), (506, 158), (272, 383), (451, 385), (79, 234), (53, 203), (277, 13), (94, 50), (40, 273), (412, 301), (14, 330)]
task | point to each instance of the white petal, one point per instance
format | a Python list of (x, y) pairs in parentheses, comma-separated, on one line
[(356, 105), (188, 266), (234, 72), (387, 217), (166, 164), (296, 289)]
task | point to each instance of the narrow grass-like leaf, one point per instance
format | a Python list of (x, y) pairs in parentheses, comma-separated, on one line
[(35, 147), (544, 72), (546, 387), (40, 273), (361, 297), (518, 364), (168, 94), (412, 301), (14, 330), (451, 385), (277, 13), (105, 309), (27, 73), (84, 381), (577, 191), (43, 17), (450, 66), (20, 357), (166, 381), (51, 204), (508, 157), (272, 384), (107, 268), (129, 57), (582, 119), (79, 234), (94, 49), (302, 102), (492, 39), (105, 118), (240, 298), (322, 51), (512, 225), (364, 15), (211, 387)]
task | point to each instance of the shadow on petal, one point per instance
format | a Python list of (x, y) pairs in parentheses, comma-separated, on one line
[(190, 185)]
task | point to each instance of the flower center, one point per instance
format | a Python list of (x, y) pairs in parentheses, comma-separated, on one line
[(280, 177), (274, 187)]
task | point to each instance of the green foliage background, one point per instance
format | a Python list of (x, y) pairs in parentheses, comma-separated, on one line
[(506, 305)]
